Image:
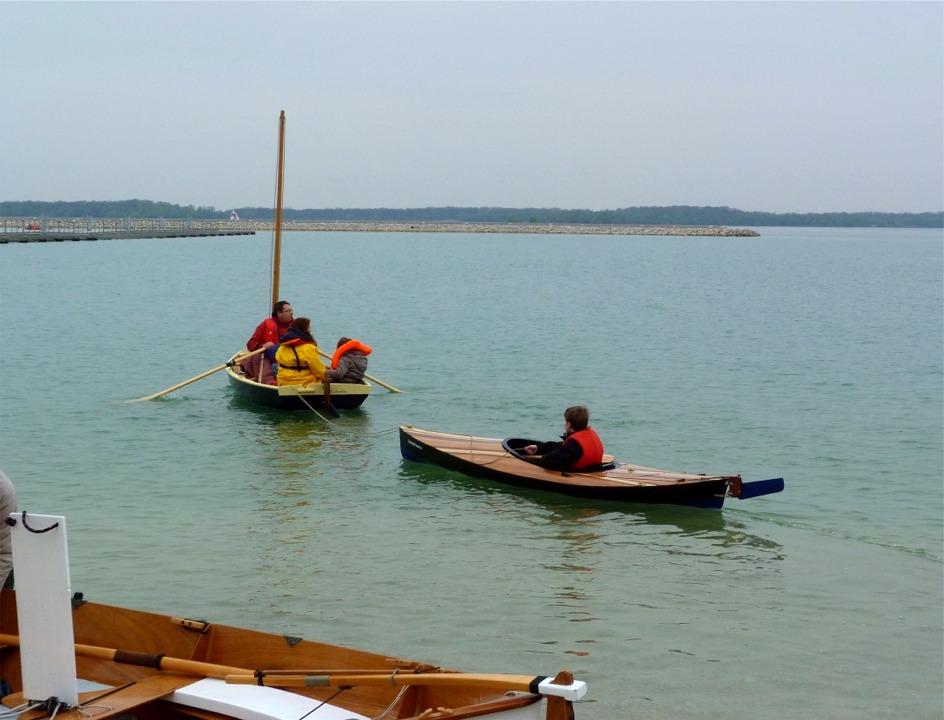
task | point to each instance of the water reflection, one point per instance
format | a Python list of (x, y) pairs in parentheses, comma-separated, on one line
[(586, 524), (294, 439)]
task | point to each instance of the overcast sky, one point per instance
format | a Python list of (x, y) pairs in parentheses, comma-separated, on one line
[(775, 106)]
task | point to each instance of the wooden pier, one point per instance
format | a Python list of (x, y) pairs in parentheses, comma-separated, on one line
[(31, 230), (24, 230)]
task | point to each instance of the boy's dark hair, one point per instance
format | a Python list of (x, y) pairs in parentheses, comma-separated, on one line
[(578, 416), (342, 341)]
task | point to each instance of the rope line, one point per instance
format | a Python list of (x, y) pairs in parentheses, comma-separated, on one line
[(11, 522), (324, 702), (393, 703), (342, 428)]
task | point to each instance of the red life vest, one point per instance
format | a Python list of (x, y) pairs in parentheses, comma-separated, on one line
[(592, 447), (347, 347)]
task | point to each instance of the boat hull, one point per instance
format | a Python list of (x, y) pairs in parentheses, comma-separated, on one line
[(124, 659), (496, 460), (342, 396)]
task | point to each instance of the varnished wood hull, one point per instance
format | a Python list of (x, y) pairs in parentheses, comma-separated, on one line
[(150, 693), (343, 396), (492, 459)]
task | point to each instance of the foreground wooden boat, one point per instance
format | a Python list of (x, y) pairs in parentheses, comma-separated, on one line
[(502, 461), (147, 666)]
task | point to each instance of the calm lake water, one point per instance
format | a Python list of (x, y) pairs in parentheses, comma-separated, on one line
[(812, 354)]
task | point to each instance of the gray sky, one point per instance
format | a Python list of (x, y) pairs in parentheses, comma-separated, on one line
[(775, 106)]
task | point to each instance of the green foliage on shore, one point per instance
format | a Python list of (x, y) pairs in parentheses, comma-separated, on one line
[(106, 209), (668, 215)]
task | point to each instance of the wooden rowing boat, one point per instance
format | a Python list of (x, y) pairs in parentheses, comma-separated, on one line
[(318, 396), (504, 462), (321, 397), (64, 657), (118, 653)]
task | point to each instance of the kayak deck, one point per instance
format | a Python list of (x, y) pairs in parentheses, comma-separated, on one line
[(495, 459)]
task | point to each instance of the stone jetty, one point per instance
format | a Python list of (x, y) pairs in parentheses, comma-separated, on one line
[(23, 230), (529, 228)]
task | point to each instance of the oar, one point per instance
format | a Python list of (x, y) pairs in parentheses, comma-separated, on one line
[(242, 676), (158, 662), (524, 683), (382, 384), (238, 358)]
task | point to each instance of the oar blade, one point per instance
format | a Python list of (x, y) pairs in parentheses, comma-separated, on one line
[(238, 357), (761, 487)]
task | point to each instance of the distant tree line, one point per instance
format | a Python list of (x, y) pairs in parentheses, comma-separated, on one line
[(668, 215), (106, 209)]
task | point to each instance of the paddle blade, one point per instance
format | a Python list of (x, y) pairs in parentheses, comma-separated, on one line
[(761, 487)]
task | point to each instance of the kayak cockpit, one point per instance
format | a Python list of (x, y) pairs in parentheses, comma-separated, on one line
[(515, 447)]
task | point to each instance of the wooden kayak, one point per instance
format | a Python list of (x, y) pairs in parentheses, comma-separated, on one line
[(71, 659), (340, 396), (503, 461)]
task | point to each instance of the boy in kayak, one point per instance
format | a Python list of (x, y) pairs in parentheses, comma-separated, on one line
[(580, 447)]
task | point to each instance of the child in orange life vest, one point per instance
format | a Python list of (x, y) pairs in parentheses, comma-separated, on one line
[(349, 363), (580, 448)]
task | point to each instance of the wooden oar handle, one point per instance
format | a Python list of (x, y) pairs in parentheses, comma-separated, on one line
[(522, 683), (159, 662)]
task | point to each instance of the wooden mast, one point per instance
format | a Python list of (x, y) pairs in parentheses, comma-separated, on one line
[(277, 249)]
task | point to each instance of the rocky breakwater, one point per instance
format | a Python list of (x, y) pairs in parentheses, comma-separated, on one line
[(530, 228)]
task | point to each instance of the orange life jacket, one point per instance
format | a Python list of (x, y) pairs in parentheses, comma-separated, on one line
[(347, 347), (592, 447)]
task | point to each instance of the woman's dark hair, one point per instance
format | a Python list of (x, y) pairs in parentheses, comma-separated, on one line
[(303, 324)]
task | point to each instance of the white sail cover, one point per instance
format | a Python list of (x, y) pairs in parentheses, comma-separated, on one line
[(44, 607)]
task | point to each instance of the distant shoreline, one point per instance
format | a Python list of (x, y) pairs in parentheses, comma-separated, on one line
[(524, 228)]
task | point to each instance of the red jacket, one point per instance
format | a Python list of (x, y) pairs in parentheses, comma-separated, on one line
[(267, 331), (592, 447)]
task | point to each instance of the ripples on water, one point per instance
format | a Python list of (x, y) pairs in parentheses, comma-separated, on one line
[(811, 354)]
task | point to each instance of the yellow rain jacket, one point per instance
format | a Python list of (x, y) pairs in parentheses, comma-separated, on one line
[(299, 363)]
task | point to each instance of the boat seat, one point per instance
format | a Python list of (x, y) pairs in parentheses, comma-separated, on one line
[(255, 702)]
